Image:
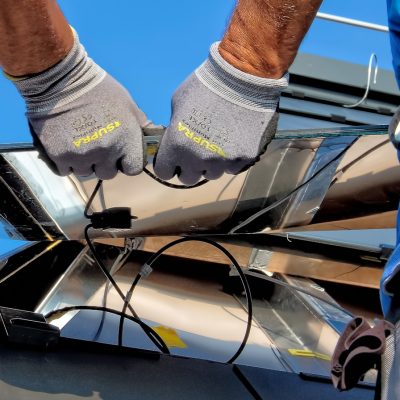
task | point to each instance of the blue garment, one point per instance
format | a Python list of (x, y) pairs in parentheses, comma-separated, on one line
[(390, 299), (392, 269), (393, 10)]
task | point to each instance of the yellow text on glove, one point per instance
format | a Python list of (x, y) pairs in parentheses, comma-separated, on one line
[(97, 135), (200, 140)]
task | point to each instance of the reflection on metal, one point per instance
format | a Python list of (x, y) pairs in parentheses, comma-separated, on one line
[(304, 178), (79, 282), (210, 321), (354, 22), (183, 297), (259, 260), (308, 167), (371, 60), (297, 322), (28, 262)]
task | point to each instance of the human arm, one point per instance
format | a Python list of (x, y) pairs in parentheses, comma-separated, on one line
[(263, 36), (34, 36), (82, 118), (225, 113)]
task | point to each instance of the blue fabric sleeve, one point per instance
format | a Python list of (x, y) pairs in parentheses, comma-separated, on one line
[(392, 268), (393, 10)]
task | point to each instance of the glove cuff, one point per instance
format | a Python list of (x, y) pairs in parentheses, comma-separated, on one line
[(64, 82), (238, 87), (394, 129)]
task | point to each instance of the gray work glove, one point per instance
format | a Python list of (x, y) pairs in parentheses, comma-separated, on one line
[(394, 129), (222, 121), (84, 119)]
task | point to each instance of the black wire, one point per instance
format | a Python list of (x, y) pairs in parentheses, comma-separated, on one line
[(246, 286), (104, 304), (146, 328), (128, 298), (153, 336), (157, 254), (105, 296), (91, 198), (149, 173), (86, 213), (101, 265), (358, 159), (173, 185)]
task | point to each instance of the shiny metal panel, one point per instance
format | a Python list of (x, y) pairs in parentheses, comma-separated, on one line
[(209, 322), (306, 202), (305, 177)]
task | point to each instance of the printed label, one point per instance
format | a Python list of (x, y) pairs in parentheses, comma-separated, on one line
[(97, 135)]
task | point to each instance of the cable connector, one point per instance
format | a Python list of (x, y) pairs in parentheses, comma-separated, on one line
[(115, 217), (145, 270)]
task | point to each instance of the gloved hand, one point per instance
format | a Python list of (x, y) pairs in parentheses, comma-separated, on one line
[(394, 129), (222, 120), (84, 119)]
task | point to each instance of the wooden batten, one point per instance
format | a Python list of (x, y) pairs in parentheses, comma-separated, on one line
[(313, 266)]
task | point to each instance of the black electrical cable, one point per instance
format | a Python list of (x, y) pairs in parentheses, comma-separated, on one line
[(153, 176), (105, 296), (242, 276), (153, 336), (241, 225), (173, 185), (103, 317), (127, 301), (87, 215), (146, 328), (103, 267), (91, 198)]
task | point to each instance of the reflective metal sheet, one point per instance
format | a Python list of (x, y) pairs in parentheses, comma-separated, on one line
[(305, 177)]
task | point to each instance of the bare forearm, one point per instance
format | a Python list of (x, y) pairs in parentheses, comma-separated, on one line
[(34, 35), (264, 35)]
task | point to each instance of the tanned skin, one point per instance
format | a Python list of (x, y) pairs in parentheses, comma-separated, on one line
[(263, 36), (34, 36)]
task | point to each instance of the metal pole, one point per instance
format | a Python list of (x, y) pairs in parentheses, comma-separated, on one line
[(354, 22)]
